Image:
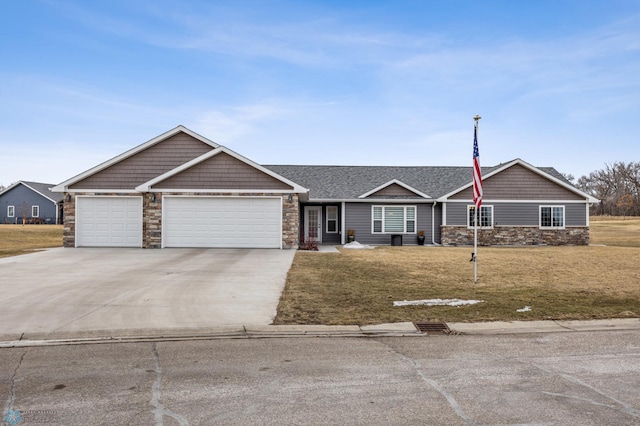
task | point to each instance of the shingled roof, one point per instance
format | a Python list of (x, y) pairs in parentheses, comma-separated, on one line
[(350, 182)]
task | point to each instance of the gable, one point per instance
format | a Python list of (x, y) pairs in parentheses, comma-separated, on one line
[(518, 183), (146, 164), (394, 189), (222, 171)]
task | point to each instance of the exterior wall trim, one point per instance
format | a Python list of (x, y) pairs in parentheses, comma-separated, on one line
[(369, 200), (489, 200), (219, 191)]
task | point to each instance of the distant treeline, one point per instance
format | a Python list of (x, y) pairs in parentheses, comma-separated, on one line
[(617, 186)]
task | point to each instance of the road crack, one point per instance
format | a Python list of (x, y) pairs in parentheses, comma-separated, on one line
[(618, 405), (9, 406), (159, 411), (420, 372)]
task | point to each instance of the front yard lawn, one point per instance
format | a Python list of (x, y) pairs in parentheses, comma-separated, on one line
[(360, 286)]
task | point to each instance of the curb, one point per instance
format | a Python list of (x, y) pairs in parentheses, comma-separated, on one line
[(404, 329)]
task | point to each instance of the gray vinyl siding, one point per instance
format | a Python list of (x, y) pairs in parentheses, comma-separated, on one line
[(23, 198), (223, 172), (517, 214), (519, 183), (358, 217)]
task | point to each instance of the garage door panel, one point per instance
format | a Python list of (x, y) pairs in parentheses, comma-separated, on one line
[(222, 222), (109, 221)]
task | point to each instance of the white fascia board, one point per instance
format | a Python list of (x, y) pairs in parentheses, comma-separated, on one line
[(63, 187), (534, 169), (397, 182), (372, 200), (146, 187), (490, 201), (89, 192), (171, 191)]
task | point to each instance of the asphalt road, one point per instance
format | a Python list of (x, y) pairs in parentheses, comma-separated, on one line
[(582, 378)]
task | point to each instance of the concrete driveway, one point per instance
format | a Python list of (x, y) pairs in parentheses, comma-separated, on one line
[(73, 290)]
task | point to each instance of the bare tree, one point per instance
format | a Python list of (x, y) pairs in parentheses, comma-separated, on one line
[(617, 186), (23, 212)]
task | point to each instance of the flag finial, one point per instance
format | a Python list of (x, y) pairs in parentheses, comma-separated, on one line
[(477, 117)]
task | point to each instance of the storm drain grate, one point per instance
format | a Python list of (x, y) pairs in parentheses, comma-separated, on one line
[(432, 327)]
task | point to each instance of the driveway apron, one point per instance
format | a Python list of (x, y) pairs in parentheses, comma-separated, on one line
[(89, 289)]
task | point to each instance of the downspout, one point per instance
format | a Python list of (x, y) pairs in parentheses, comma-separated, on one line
[(433, 222)]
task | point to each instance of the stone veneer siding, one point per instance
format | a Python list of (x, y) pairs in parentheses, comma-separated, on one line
[(69, 214), (152, 217), (512, 235)]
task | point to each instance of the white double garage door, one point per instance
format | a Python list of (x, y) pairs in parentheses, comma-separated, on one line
[(216, 222)]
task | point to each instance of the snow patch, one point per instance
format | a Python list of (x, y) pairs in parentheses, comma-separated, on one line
[(525, 309), (437, 302), (357, 245)]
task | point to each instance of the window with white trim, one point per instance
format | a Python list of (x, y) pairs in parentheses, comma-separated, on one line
[(332, 219), (393, 219), (11, 211), (486, 216), (552, 217), (35, 211)]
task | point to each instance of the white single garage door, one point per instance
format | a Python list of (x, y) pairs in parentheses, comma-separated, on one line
[(222, 222), (109, 221)]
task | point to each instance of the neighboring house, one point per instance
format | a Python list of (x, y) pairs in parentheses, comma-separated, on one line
[(181, 189), (32, 202)]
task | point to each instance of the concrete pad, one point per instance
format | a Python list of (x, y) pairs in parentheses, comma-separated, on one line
[(87, 289), (303, 329), (504, 327), (607, 324), (398, 327)]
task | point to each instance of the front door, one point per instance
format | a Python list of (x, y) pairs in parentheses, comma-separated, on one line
[(313, 223)]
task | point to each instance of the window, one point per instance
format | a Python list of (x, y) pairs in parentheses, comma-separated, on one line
[(11, 211), (552, 217), (486, 217), (332, 219), (35, 211), (392, 219)]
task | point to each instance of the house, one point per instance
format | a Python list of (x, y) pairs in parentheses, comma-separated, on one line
[(30, 202), (522, 204), (181, 189)]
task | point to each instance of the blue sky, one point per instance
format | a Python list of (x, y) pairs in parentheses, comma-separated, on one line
[(557, 82)]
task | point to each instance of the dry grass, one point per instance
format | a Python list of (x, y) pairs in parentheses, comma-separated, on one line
[(19, 239), (615, 231), (359, 287)]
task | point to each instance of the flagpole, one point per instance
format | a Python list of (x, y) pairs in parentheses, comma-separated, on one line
[(476, 209)]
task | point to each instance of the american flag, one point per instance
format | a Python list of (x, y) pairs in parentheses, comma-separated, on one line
[(477, 173)]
